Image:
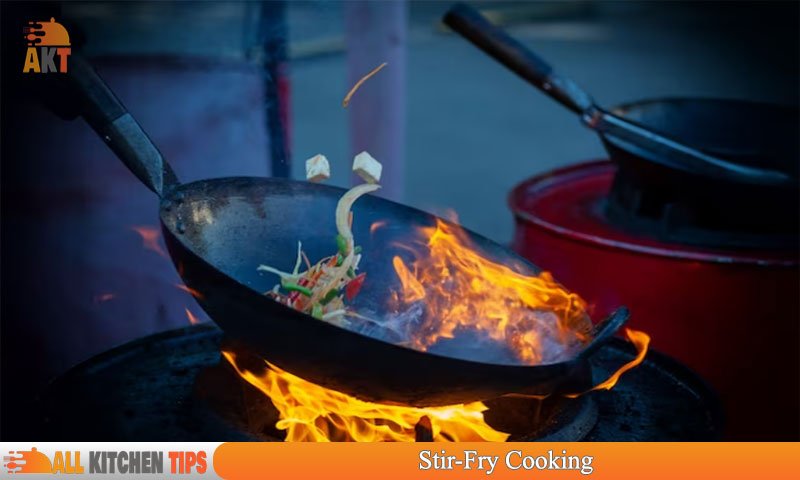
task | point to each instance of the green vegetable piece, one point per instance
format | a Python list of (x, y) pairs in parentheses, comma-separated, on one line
[(332, 293), (293, 287), (341, 244), (316, 311), (357, 250), (339, 260), (351, 273)]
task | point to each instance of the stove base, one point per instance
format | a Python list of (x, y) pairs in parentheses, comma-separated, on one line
[(149, 390)]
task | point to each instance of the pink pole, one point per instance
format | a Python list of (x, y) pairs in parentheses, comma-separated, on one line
[(376, 32)]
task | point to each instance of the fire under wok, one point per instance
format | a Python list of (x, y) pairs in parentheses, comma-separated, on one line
[(218, 231)]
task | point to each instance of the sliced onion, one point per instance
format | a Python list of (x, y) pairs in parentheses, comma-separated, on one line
[(337, 274), (299, 258), (330, 315), (282, 274), (343, 210)]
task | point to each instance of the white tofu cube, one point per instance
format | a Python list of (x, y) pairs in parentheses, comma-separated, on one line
[(318, 168), (367, 167)]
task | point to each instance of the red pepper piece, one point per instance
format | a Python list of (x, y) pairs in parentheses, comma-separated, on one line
[(354, 286)]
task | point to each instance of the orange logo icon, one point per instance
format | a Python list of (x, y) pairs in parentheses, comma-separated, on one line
[(52, 41), (27, 461), (49, 33)]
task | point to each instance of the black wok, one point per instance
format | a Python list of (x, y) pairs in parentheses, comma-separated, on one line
[(718, 173), (652, 144), (218, 231), (698, 209)]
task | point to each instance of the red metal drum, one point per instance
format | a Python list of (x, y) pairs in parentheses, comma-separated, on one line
[(731, 315)]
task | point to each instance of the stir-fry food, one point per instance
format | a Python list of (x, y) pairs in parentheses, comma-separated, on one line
[(448, 297), (322, 289)]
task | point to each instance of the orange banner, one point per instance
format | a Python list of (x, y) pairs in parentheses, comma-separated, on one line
[(408, 461)]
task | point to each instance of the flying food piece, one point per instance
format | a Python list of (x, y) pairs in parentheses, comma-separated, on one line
[(358, 84), (367, 167), (317, 168)]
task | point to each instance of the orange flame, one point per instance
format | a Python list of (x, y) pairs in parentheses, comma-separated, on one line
[(191, 291), (376, 225), (192, 319), (641, 341), (460, 289), (413, 290), (150, 238), (309, 412), (535, 316)]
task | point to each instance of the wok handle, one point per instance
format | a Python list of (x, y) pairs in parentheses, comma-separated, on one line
[(604, 330), (110, 119), (473, 26)]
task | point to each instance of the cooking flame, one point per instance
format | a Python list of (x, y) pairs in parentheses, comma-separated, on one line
[(191, 291), (641, 341), (533, 315), (150, 238), (457, 288), (309, 412), (192, 319), (376, 225)]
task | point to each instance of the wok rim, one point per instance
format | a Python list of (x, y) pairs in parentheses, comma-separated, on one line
[(623, 107), (765, 108)]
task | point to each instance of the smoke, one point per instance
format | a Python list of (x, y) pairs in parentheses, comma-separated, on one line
[(401, 327)]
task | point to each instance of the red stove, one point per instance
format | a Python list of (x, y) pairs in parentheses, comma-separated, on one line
[(694, 227), (729, 313)]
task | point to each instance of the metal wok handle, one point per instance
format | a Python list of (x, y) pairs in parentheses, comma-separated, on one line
[(498, 44), (110, 119), (604, 330)]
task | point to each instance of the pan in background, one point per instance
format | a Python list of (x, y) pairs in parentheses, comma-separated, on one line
[(676, 204)]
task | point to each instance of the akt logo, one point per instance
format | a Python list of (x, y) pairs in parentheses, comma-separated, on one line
[(34, 461), (53, 41)]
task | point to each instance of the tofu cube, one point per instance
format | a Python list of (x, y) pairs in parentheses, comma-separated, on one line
[(318, 168), (367, 167)]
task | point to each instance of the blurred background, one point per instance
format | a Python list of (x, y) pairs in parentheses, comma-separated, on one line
[(255, 88)]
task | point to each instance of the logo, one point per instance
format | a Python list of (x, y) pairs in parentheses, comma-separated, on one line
[(34, 461), (52, 41), (106, 461)]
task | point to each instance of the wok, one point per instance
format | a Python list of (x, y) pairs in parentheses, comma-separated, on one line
[(650, 144), (694, 171), (218, 231), (702, 210)]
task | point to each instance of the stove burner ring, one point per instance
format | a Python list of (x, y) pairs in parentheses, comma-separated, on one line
[(149, 390)]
